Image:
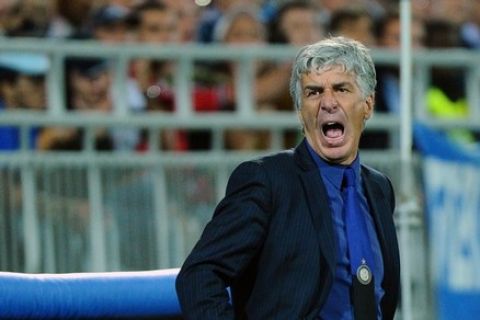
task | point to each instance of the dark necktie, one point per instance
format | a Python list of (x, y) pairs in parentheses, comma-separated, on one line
[(360, 252)]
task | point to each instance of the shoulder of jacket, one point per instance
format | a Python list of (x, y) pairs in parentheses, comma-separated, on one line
[(275, 158), (378, 177)]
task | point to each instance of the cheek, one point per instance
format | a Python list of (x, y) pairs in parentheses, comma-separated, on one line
[(358, 117), (309, 118)]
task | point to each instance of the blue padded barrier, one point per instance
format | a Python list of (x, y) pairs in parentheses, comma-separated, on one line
[(89, 295)]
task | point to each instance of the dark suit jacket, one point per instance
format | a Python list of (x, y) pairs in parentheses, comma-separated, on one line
[(271, 240)]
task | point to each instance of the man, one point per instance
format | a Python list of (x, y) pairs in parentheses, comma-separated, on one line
[(154, 23), (109, 24), (22, 86), (355, 22), (297, 23), (278, 239)]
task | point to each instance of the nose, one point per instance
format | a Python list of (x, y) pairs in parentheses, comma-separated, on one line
[(328, 102)]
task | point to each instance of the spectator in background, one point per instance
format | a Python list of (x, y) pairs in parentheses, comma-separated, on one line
[(5, 7), (27, 18), (454, 11), (109, 24), (88, 89), (329, 7), (154, 23), (91, 89), (88, 83), (188, 14), (8, 97), (70, 18), (387, 32), (470, 29), (31, 91), (446, 96), (443, 34), (354, 22), (241, 27), (296, 23), (212, 14), (23, 80), (420, 9), (22, 86), (6, 15), (29, 85)]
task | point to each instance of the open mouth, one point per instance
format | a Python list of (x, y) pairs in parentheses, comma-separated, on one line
[(333, 129)]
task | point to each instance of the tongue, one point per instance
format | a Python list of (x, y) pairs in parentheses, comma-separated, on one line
[(333, 132)]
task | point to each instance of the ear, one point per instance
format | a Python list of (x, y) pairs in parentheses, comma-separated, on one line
[(369, 104)]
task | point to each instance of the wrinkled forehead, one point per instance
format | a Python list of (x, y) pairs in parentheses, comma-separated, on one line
[(336, 72), (329, 76)]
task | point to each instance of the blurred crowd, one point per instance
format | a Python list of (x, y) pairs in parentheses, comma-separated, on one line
[(376, 23)]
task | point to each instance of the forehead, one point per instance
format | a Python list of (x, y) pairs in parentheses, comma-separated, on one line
[(328, 75), (299, 14)]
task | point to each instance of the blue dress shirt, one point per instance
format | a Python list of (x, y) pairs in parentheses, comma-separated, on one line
[(338, 304)]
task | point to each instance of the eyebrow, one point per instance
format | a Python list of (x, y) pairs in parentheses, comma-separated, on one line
[(335, 85), (312, 87), (342, 84)]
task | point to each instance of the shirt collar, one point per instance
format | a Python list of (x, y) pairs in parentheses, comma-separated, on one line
[(334, 172)]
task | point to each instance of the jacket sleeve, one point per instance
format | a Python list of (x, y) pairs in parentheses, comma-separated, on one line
[(227, 246)]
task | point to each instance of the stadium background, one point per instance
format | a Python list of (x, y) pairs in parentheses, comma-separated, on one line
[(128, 182)]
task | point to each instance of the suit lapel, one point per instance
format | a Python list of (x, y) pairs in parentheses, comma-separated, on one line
[(319, 208)]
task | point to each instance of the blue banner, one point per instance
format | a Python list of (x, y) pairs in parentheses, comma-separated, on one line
[(452, 190)]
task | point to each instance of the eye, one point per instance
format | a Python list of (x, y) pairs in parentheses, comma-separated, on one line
[(309, 92)]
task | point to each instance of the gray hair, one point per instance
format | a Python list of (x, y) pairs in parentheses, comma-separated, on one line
[(335, 51)]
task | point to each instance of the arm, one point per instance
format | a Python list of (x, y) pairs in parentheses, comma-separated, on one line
[(228, 244)]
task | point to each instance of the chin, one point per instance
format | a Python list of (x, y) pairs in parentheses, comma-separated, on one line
[(340, 155)]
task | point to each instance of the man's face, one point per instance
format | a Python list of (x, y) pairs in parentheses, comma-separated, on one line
[(333, 113), (391, 34), (359, 29), (300, 27), (31, 92), (111, 33), (91, 92), (158, 26), (245, 30)]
